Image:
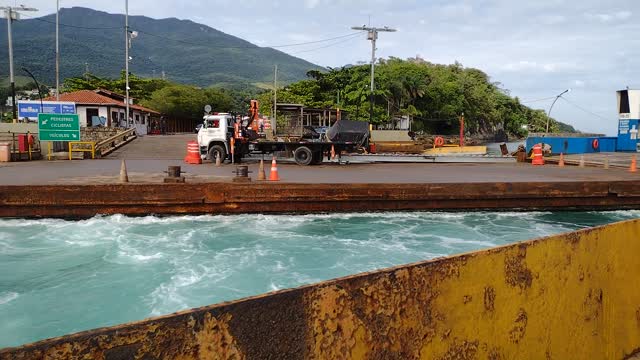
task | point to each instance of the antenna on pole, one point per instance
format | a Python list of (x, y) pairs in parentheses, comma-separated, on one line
[(372, 35), (13, 14)]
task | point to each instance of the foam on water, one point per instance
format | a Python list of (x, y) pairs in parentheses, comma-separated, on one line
[(67, 276)]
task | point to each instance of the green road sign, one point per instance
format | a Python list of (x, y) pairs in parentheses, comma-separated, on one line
[(59, 127)]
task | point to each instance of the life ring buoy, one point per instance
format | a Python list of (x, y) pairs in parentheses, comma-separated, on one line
[(439, 141), (595, 144)]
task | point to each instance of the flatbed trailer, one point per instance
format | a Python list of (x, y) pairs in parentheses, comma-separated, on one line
[(304, 152)]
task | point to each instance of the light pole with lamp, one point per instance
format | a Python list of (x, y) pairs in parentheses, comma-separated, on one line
[(551, 108)]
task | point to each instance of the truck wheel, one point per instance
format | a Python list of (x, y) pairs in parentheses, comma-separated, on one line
[(303, 156), (217, 150)]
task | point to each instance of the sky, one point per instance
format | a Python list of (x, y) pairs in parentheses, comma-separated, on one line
[(535, 49)]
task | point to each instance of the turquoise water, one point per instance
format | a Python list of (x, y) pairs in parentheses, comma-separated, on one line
[(58, 276)]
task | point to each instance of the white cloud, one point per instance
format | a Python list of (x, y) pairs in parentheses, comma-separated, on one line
[(609, 17), (578, 83), (310, 4), (525, 65)]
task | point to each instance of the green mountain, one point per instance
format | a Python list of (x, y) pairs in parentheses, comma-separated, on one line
[(186, 51)]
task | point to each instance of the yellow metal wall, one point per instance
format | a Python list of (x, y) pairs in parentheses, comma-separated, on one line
[(573, 296)]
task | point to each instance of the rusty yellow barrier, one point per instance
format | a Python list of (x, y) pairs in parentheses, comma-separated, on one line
[(572, 296)]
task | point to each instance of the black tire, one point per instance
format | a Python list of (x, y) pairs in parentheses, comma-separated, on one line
[(303, 156), (219, 150)]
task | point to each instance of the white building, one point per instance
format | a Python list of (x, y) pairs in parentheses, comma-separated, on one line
[(106, 108)]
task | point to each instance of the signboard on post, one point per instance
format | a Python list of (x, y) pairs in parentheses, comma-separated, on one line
[(30, 109), (59, 127)]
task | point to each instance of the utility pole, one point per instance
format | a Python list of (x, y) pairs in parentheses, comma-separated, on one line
[(373, 37), (275, 98), (12, 14), (126, 55), (57, 50)]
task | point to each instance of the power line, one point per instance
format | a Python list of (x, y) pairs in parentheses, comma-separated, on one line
[(585, 110), (245, 47), (537, 100), (73, 26), (353, 36)]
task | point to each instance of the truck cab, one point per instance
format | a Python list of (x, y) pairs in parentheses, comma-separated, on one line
[(213, 137)]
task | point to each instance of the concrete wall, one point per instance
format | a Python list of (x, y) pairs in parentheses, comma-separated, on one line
[(571, 296)]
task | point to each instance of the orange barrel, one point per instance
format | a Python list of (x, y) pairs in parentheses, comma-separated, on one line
[(193, 153), (372, 148), (538, 159)]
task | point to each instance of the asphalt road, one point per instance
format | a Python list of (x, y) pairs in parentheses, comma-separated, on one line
[(107, 171), (148, 157)]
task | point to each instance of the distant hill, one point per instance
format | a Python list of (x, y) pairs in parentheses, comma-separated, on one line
[(186, 51)]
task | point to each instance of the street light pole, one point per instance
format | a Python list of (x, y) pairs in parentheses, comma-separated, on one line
[(37, 85), (373, 36), (551, 108), (11, 15), (57, 50), (126, 66)]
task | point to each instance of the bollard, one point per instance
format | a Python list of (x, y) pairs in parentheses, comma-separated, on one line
[(634, 167), (606, 162), (174, 175), (218, 161), (561, 161), (124, 178), (242, 174), (261, 174), (581, 161)]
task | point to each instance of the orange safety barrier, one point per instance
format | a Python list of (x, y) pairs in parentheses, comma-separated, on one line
[(193, 153), (538, 159)]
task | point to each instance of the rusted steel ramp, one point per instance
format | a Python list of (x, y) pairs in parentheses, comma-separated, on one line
[(571, 296), (82, 201)]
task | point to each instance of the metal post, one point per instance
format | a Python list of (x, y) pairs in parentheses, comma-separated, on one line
[(551, 108), (126, 63), (374, 36), (57, 50), (462, 130), (9, 13), (275, 100)]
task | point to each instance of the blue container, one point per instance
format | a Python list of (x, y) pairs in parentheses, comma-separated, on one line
[(574, 145)]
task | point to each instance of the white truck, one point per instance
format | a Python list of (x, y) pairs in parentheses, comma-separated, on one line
[(222, 133)]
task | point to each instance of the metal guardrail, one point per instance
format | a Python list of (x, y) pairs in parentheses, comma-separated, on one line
[(92, 150), (105, 146)]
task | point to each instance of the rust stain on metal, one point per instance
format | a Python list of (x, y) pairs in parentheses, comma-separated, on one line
[(461, 350), (520, 326), (489, 298), (515, 269), (592, 304)]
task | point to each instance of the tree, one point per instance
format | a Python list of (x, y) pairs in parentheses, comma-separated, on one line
[(187, 102)]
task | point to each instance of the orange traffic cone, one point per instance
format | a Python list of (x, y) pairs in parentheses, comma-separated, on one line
[(634, 164), (561, 162), (273, 174)]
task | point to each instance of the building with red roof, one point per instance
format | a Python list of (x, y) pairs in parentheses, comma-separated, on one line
[(107, 108)]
